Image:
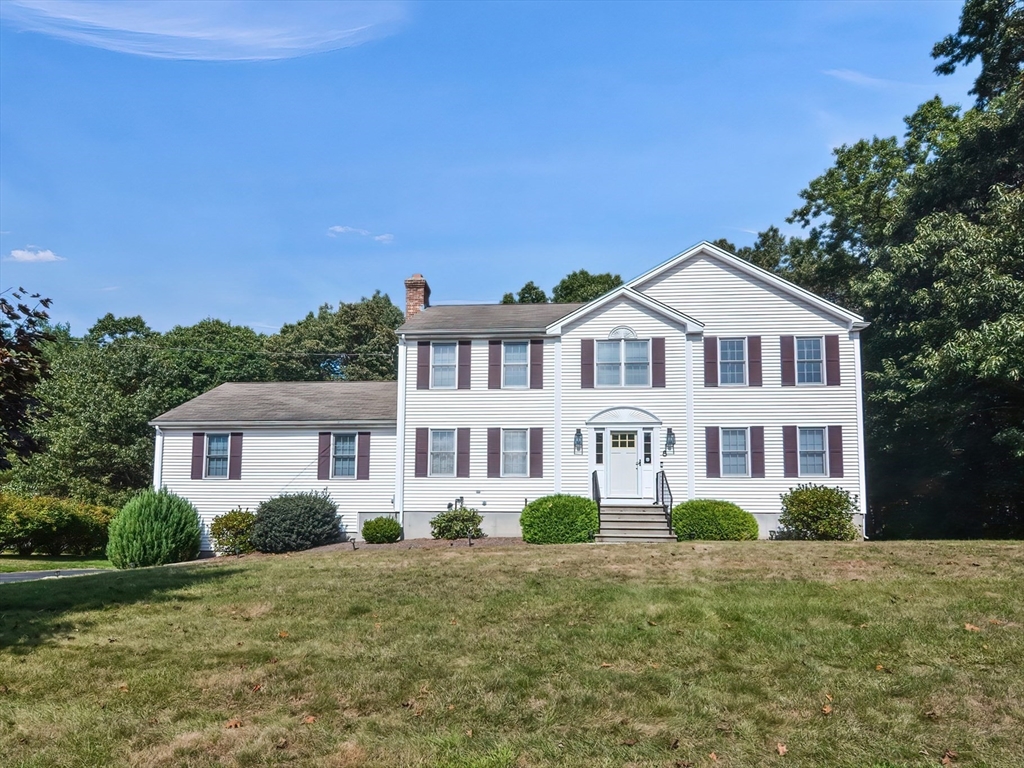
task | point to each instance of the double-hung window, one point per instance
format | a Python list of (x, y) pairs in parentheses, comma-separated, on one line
[(624, 363), (345, 455), (734, 452), (516, 365), (514, 452), (809, 361), (442, 365), (812, 451), (216, 455), (442, 452), (732, 362)]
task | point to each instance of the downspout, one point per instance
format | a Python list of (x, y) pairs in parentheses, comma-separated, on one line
[(861, 461), (691, 465), (399, 503), (558, 415), (158, 461)]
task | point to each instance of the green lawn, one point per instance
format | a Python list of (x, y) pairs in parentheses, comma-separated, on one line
[(868, 655), (15, 563)]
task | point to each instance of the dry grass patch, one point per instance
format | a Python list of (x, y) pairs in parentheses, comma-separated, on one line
[(848, 654)]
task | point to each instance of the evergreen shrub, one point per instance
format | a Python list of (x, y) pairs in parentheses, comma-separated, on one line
[(154, 528), (712, 520), (818, 512), (52, 525), (458, 523), (381, 530), (559, 519), (296, 521), (232, 532)]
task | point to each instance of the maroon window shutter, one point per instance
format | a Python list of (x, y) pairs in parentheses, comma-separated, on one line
[(832, 361), (423, 365), (323, 457), (754, 361), (235, 457), (462, 452), (711, 362), (757, 451), (198, 454), (493, 452), (712, 453), (536, 363), (658, 361), (494, 365), (465, 363), (788, 364), (536, 451), (790, 454), (586, 363), (363, 456), (835, 451), (422, 438)]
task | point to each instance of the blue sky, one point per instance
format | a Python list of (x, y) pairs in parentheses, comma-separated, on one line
[(250, 161)]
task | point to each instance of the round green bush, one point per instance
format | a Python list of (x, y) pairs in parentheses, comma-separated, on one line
[(712, 520), (154, 528), (460, 523), (232, 532), (381, 530), (559, 519), (818, 512), (294, 522)]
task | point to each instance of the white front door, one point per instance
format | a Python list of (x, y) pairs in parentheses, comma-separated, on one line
[(623, 465)]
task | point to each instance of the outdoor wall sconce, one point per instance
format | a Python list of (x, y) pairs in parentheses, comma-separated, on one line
[(577, 443), (670, 442)]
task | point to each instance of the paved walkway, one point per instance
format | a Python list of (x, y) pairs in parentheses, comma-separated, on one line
[(33, 575)]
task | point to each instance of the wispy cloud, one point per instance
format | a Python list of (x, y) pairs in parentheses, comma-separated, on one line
[(31, 254), (208, 30), (386, 238), (854, 77), (111, 288)]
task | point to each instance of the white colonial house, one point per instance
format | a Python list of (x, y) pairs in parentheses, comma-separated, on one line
[(706, 377)]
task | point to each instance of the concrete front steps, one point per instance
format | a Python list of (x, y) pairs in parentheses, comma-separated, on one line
[(646, 524)]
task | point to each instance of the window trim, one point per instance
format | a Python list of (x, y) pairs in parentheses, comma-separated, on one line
[(334, 455), (824, 451), (431, 452), (526, 471), (722, 452), (526, 343), (622, 364), (206, 457), (454, 366), (821, 362), (745, 362)]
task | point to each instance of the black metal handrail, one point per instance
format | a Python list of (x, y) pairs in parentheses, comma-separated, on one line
[(663, 495), (595, 493)]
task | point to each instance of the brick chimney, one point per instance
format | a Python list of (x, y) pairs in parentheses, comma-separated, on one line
[(417, 295)]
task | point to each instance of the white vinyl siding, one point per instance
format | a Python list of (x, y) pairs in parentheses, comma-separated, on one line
[(442, 365), (735, 453), (810, 360), (442, 453), (813, 455), (514, 452), (623, 362), (516, 365), (216, 455), (344, 464), (732, 361)]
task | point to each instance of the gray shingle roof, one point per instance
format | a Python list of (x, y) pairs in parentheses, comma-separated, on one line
[(320, 402), (486, 318)]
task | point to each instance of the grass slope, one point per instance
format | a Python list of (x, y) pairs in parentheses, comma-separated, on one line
[(848, 655)]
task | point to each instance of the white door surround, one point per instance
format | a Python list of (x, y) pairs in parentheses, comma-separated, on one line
[(623, 452)]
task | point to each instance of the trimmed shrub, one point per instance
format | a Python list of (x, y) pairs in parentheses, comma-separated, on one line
[(457, 524), (819, 513), (559, 519), (712, 520), (51, 525), (296, 521), (381, 530), (232, 532), (154, 528)]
